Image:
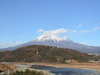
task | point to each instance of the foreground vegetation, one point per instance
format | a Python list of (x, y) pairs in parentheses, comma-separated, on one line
[(27, 72)]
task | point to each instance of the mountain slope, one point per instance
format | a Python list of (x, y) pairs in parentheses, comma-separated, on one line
[(39, 53), (49, 39)]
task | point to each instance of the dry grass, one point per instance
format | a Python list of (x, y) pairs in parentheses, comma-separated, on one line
[(5, 67)]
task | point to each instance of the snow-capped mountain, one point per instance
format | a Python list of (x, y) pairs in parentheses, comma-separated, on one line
[(50, 39), (47, 36)]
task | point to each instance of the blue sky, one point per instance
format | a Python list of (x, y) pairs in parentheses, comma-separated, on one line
[(21, 19)]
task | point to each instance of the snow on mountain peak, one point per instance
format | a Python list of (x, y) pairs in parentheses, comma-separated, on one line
[(49, 36)]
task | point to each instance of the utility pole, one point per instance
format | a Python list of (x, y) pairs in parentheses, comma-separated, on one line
[(37, 53), (8, 71)]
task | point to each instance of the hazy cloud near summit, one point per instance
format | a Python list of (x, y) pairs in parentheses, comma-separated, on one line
[(59, 31), (85, 43), (55, 32)]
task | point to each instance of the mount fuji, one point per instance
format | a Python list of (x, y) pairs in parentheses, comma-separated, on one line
[(50, 39)]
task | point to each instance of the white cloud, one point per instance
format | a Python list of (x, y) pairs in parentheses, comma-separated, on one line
[(59, 31), (93, 30), (74, 31), (85, 43), (80, 25), (96, 29), (56, 32), (40, 30), (9, 44), (85, 31)]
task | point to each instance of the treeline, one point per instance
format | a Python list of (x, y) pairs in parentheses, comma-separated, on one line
[(39, 53)]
